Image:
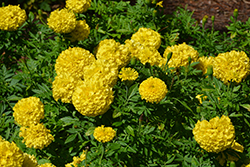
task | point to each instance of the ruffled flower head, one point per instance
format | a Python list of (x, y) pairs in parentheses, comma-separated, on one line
[(28, 111), (62, 21), (102, 71), (128, 74), (81, 32), (12, 17), (216, 135), (10, 154), (46, 165), (153, 90), (92, 98), (78, 6), (231, 66), (180, 55), (77, 160), (113, 52), (72, 61), (104, 134), (29, 160), (204, 62), (63, 87), (147, 37), (36, 136)]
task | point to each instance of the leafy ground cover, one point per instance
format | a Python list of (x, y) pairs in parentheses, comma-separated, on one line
[(137, 88)]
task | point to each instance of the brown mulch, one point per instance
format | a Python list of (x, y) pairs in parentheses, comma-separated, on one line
[(221, 9)]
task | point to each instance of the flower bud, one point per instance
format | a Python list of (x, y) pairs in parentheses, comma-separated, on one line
[(210, 70), (212, 18), (133, 60), (204, 20), (154, 13), (235, 13)]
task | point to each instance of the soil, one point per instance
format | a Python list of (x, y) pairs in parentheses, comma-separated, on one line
[(220, 9)]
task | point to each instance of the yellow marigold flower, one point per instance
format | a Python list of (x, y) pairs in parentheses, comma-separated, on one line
[(72, 61), (10, 155), (204, 62), (36, 136), (160, 4), (180, 55), (29, 160), (147, 37), (81, 32), (104, 134), (231, 66), (62, 21), (12, 17), (128, 74), (102, 71), (28, 111), (153, 90), (248, 165), (216, 135), (77, 160), (78, 6), (46, 165), (201, 98), (113, 52), (63, 87), (92, 98)]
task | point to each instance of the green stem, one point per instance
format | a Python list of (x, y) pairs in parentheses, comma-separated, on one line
[(100, 161)]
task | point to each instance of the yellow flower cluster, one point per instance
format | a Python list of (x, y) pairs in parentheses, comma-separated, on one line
[(47, 165), (153, 90), (204, 62), (104, 134), (180, 55), (231, 66), (62, 21), (113, 52), (10, 155), (101, 71), (216, 135), (72, 61), (128, 74), (28, 111), (201, 98), (29, 160), (92, 98), (63, 87), (77, 160), (12, 17), (81, 31), (147, 37), (78, 6), (36, 136)]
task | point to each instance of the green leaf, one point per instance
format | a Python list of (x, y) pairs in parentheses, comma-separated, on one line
[(130, 130), (70, 138), (114, 146), (246, 106), (14, 98), (90, 131), (235, 89)]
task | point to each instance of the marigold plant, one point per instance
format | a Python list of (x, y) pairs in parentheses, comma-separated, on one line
[(104, 134), (128, 74), (216, 135), (36, 136), (12, 17), (153, 90), (28, 111), (231, 66), (62, 21), (78, 6)]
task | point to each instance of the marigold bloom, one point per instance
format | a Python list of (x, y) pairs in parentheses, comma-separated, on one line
[(92, 98), (12, 17), (147, 37), (201, 98), (104, 134), (29, 160), (204, 62), (63, 87), (28, 111), (72, 61), (78, 6), (113, 52), (180, 55), (153, 90), (216, 135), (46, 165), (62, 21), (128, 74), (36, 136), (77, 160), (10, 155), (102, 71), (231, 66), (81, 32)]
